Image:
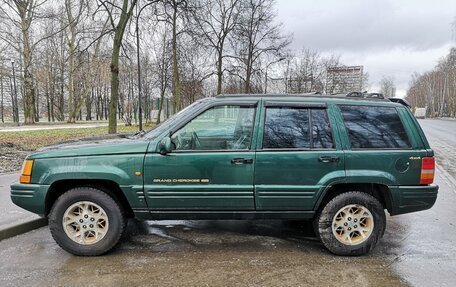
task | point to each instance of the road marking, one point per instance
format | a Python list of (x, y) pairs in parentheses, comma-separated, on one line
[(447, 177)]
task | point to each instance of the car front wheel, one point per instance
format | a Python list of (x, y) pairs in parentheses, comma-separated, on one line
[(86, 221), (351, 223)]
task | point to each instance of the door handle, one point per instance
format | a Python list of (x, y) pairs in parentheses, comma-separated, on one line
[(328, 159), (241, 160)]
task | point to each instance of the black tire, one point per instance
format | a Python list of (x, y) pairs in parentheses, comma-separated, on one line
[(115, 214), (324, 221)]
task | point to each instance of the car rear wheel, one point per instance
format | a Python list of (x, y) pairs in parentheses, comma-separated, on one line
[(86, 221), (351, 223)]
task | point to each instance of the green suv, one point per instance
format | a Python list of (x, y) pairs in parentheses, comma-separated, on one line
[(337, 160)]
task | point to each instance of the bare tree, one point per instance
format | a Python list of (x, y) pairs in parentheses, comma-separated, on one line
[(331, 82), (2, 107), (163, 66), (74, 11), (387, 86), (175, 14), (436, 89), (256, 34), (216, 19), (194, 72), (81, 72), (306, 72), (21, 13), (84, 43), (124, 14)]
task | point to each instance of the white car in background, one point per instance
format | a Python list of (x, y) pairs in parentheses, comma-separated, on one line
[(420, 113)]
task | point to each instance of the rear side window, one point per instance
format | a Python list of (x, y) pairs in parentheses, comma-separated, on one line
[(374, 127), (296, 128)]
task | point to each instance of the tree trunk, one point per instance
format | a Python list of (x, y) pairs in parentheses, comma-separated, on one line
[(247, 78), (14, 98), (36, 105), (1, 91), (61, 100), (118, 35), (71, 110), (25, 15), (219, 71), (28, 90), (176, 76), (160, 106), (114, 86)]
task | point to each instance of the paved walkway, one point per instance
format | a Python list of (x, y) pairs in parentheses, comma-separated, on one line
[(11, 214), (51, 127)]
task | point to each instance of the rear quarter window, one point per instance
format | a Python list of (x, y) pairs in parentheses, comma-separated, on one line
[(374, 127)]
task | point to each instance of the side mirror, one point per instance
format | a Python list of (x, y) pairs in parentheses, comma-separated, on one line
[(165, 146)]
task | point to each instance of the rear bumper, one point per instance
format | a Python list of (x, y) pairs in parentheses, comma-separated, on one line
[(31, 197), (408, 199)]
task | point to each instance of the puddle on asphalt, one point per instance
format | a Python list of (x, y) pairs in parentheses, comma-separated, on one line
[(232, 252)]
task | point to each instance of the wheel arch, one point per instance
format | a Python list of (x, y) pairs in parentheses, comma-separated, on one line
[(110, 187), (380, 191)]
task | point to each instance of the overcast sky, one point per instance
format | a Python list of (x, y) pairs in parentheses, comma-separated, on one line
[(388, 37)]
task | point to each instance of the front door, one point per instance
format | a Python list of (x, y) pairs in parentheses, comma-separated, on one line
[(298, 156), (211, 166)]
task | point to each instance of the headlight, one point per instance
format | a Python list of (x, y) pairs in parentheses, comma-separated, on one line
[(26, 175)]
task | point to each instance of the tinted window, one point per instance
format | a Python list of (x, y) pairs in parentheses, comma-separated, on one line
[(290, 128), (374, 127), (218, 128), (321, 130)]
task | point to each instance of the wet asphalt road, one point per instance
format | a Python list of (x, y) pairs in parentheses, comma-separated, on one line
[(418, 249)]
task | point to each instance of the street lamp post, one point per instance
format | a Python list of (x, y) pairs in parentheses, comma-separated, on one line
[(286, 77), (139, 70), (266, 74), (15, 107)]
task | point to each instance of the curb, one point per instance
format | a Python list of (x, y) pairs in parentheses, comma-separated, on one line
[(22, 227)]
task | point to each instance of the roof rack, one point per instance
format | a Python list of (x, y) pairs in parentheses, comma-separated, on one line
[(271, 95), (365, 95), (400, 101), (352, 95)]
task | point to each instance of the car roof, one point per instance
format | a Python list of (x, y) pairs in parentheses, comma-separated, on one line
[(359, 99)]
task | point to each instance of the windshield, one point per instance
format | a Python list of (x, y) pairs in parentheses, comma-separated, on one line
[(157, 130)]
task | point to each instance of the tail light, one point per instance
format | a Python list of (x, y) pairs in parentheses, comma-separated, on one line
[(427, 170)]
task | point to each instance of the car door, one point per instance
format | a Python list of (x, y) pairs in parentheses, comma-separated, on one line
[(298, 155), (211, 165)]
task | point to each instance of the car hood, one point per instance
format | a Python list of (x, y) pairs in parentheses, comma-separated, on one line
[(102, 145)]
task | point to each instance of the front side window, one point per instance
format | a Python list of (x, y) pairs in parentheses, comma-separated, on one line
[(296, 128), (374, 127), (218, 128)]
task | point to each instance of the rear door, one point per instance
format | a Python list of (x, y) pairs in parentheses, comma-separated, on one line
[(298, 155), (382, 146)]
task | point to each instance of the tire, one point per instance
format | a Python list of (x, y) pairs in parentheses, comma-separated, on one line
[(105, 219), (351, 224)]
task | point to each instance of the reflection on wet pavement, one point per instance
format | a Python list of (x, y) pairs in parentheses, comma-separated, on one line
[(195, 253)]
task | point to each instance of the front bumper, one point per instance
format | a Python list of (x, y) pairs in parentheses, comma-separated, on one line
[(408, 199), (31, 197)]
